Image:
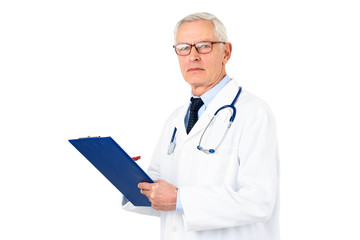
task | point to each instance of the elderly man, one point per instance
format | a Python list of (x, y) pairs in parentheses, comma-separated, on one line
[(217, 180)]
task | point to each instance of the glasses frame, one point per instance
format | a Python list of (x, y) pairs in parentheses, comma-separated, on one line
[(194, 45)]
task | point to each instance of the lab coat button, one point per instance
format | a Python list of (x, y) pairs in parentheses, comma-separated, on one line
[(174, 229)]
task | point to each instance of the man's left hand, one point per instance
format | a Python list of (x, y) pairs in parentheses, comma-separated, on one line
[(161, 194)]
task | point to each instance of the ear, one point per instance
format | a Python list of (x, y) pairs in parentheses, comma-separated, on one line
[(228, 50)]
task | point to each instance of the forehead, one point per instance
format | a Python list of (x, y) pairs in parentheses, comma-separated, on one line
[(197, 31)]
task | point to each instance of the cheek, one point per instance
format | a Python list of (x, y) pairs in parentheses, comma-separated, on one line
[(182, 65), (214, 66)]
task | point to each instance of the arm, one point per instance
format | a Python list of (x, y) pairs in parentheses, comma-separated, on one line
[(251, 199), (161, 194)]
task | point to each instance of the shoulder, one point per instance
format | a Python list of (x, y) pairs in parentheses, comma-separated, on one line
[(250, 106), (179, 112), (249, 100)]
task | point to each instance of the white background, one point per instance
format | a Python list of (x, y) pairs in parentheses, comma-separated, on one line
[(75, 68)]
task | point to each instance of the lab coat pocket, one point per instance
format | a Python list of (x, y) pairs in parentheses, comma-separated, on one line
[(217, 167)]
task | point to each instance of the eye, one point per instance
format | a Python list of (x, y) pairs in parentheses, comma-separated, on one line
[(203, 45), (182, 47)]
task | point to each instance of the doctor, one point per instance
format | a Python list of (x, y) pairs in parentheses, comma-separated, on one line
[(217, 180)]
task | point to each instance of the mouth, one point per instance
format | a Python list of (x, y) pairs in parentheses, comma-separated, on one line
[(195, 69)]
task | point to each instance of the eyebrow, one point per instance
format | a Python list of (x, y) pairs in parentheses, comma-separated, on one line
[(196, 42)]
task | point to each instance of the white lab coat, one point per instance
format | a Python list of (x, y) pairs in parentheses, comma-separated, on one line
[(231, 194)]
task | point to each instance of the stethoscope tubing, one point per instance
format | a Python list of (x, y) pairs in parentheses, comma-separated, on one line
[(173, 136), (228, 106)]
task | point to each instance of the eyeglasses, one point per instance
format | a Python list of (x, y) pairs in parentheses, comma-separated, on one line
[(183, 49)]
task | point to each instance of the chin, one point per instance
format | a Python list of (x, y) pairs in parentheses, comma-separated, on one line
[(195, 80)]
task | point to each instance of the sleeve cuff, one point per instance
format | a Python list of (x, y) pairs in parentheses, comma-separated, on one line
[(179, 207)]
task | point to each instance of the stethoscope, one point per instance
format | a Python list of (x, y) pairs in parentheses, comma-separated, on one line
[(210, 150)]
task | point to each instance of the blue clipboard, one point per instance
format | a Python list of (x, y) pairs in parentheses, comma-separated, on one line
[(116, 165)]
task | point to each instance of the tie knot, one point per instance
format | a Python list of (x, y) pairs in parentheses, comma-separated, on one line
[(196, 104)]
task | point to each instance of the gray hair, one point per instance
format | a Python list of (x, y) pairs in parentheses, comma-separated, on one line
[(220, 30)]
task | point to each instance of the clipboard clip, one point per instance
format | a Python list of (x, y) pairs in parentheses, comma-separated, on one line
[(89, 137)]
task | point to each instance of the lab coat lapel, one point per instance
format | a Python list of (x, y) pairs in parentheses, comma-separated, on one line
[(179, 123), (224, 97)]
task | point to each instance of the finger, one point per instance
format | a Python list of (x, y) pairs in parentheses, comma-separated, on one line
[(145, 192), (155, 206), (144, 185)]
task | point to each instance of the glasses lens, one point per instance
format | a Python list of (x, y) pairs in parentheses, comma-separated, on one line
[(204, 47), (183, 49)]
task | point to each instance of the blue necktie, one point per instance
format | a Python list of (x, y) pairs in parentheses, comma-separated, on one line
[(196, 104)]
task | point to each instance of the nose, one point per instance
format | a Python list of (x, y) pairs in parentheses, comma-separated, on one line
[(194, 55)]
